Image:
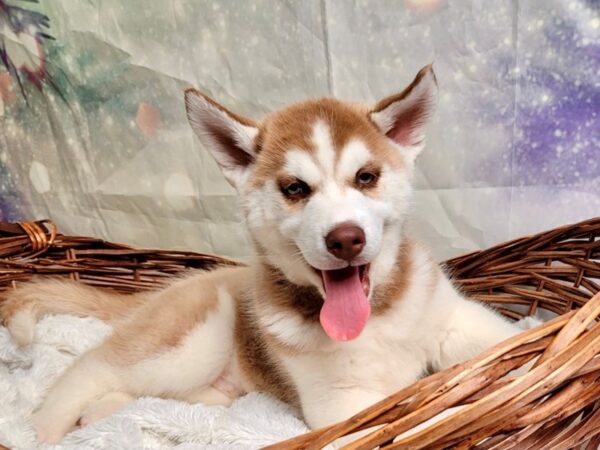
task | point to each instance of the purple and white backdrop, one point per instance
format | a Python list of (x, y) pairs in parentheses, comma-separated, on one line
[(93, 131)]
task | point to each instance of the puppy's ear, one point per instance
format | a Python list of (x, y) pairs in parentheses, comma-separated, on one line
[(402, 117), (230, 138)]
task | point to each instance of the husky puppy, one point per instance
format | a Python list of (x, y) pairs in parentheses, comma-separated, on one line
[(339, 309)]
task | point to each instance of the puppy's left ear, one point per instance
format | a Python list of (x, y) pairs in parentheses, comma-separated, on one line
[(402, 117)]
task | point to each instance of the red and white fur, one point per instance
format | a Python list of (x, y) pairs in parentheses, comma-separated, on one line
[(326, 187)]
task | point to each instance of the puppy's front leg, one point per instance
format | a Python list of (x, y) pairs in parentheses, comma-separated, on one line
[(336, 405), (471, 329)]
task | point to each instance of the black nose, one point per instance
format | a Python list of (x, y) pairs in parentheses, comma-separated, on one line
[(345, 241)]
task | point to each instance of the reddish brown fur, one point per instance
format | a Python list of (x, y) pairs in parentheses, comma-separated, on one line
[(386, 294), (43, 296), (292, 128), (273, 289), (258, 364), (382, 104), (156, 327)]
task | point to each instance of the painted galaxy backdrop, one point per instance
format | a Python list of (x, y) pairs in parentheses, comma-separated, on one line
[(93, 132)]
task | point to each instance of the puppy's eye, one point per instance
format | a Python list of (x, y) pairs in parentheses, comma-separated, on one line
[(296, 190), (366, 177)]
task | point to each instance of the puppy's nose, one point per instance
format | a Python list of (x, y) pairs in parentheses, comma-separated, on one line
[(345, 241)]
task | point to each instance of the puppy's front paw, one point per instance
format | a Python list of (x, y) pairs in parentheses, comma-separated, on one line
[(529, 322), (46, 430)]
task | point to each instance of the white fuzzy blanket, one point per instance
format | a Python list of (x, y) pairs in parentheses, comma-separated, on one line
[(148, 423)]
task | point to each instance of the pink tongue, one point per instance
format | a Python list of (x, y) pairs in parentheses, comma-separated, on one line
[(346, 308)]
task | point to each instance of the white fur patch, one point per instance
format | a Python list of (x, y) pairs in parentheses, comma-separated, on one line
[(22, 326), (325, 152), (300, 164), (290, 329), (354, 156)]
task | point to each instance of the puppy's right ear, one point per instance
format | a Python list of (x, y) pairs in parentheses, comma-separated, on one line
[(230, 138)]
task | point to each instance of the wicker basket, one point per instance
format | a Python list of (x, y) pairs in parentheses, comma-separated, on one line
[(35, 248), (554, 405)]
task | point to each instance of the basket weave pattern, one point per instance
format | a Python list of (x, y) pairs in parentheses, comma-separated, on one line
[(35, 248), (553, 405)]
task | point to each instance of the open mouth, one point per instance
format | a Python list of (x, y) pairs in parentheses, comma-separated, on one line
[(348, 272), (346, 308)]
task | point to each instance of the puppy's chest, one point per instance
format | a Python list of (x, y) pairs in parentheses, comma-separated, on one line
[(379, 360)]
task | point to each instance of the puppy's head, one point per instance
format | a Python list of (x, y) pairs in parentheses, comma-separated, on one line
[(325, 186)]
